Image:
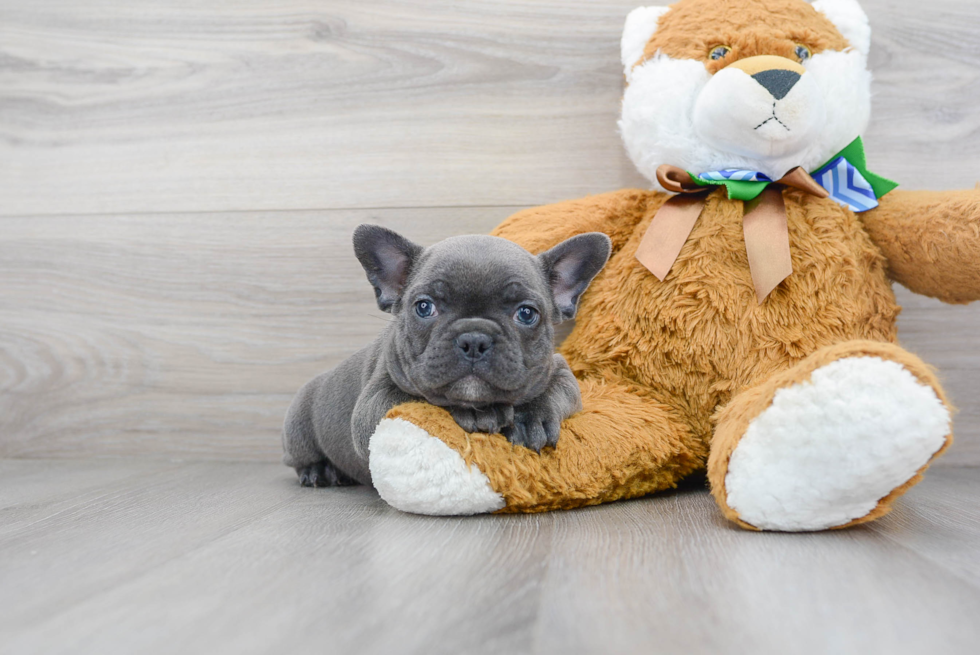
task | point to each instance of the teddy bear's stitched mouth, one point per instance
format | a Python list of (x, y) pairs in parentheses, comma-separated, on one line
[(773, 118)]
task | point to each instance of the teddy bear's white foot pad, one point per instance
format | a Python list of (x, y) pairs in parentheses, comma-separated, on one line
[(416, 472), (828, 449)]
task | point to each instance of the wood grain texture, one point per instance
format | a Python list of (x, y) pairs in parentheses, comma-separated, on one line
[(671, 572), (179, 181), (176, 105), (942, 524), (187, 335), (236, 557), (128, 329), (181, 335), (948, 338)]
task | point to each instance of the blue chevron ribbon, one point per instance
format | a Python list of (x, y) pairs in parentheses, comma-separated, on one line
[(845, 177), (846, 185), (735, 175)]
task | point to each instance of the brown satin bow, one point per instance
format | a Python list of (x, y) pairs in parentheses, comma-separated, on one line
[(763, 225)]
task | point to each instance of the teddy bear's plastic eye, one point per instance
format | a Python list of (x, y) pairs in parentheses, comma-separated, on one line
[(719, 52), (802, 52)]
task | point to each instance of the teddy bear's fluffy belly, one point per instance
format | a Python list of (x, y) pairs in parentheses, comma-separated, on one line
[(700, 336)]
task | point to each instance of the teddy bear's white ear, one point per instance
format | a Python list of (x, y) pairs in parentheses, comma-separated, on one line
[(850, 20), (640, 26)]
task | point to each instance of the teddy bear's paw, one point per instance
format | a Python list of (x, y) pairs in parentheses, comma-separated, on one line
[(829, 449), (418, 473)]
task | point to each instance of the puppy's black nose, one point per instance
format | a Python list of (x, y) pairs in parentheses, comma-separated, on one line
[(778, 82), (474, 346)]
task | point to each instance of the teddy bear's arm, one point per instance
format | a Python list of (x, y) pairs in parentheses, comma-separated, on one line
[(614, 214), (931, 240)]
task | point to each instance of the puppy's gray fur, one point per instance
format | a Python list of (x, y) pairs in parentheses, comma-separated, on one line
[(477, 354)]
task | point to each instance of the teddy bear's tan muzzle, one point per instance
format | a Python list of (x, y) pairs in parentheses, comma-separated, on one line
[(777, 75)]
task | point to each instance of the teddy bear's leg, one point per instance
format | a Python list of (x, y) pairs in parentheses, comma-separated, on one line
[(829, 443), (622, 445)]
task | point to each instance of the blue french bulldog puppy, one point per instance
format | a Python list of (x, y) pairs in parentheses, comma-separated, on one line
[(472, 332)]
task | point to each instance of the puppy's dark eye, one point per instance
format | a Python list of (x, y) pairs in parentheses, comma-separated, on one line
[(803, 53), (719, 52), (425, 309), (526, 315)]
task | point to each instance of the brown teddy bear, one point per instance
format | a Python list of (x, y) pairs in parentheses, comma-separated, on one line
[(745, 323)]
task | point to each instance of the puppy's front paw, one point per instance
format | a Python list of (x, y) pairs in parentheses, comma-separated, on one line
[(536, 425), (488, 420)]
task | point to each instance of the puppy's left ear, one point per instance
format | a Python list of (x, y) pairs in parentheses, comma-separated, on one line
[(387, 258), (570, 267)]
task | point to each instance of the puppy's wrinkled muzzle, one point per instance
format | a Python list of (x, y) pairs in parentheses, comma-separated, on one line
[(474, 339), (474, 347)]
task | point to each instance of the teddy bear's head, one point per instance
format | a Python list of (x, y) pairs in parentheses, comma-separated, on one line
[(761, 85)]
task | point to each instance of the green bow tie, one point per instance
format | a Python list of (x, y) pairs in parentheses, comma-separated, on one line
[(846, 178)]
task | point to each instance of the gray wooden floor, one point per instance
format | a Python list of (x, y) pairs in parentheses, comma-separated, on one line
[(115, 556)]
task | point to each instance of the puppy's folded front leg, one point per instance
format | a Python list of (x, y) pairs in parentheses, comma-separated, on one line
[(538, 422), (377, 398)]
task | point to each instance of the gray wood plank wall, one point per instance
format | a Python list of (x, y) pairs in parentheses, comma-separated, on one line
[(179, 180)]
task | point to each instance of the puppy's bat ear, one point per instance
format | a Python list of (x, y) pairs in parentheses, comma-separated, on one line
[(387, 258), (570, 267)]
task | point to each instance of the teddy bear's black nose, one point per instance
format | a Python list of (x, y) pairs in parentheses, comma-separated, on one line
[(474, 346), (778, 82)]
